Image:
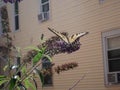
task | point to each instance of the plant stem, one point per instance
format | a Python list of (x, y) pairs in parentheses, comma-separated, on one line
[(9, 64), (28, 73), (31, 70), (77, 82)]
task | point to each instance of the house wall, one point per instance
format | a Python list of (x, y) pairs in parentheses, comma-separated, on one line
[(72, 16)]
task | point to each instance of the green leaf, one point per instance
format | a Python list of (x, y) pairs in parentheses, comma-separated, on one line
[(34, 48), (21, 86), (28, 84), (37, 58), (43, 49), (48, 57), (18, 88), (24, 70), (3, 81), (2, 77), (40, 76), (12, 84)]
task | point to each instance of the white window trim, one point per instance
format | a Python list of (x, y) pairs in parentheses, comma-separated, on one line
[(42, 13), (105, 36)]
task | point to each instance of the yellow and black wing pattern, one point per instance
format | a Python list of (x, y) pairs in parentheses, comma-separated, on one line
[(63, 37), (67, 39), (76, 36)]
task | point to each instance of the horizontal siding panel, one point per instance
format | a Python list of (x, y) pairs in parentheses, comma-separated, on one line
[(93, 12)]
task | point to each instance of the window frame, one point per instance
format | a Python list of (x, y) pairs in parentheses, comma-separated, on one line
[(13, 18), (41, 5), (105, 36), (44, 16), (16, 16)]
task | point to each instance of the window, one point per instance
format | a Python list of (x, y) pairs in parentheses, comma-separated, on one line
[(16, 16), (48, 81), (44, 10), (111, 48), (0, 24)]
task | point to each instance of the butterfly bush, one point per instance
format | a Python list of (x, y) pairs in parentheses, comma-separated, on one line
[(54, 45), (60, 68), (65, 67)]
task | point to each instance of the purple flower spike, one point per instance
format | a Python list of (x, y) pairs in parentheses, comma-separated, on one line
[(12, 1), (5, 1)]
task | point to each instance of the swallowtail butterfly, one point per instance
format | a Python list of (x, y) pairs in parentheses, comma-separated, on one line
[(67, 39)]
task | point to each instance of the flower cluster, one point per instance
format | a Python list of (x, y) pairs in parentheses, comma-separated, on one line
[(54, 45), (65, 67)]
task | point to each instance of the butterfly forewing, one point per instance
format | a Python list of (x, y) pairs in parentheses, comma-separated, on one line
[(63, 37)]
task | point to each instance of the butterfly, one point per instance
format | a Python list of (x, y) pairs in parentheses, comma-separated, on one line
[(65, 37)]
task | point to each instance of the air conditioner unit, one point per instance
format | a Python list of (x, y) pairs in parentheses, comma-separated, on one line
[(43, 16), (114, 78)]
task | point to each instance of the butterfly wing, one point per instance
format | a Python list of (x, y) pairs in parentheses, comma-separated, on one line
[(76, 36), (63, 37)]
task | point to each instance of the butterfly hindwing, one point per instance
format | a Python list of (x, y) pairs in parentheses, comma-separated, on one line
[(76, 36), (63, 37)]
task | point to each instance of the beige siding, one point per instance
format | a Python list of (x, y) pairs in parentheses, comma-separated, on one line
[(73, 16)]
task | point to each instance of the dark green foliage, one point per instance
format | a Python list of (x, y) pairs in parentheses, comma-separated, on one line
[(41, 76), (12, 84)]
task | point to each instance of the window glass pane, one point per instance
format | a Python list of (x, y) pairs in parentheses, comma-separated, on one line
[(16, 22), (48, 79), (0, 24), (46, 64), (43, 1), (114, 65), (16, 8), (114, 54), (45, 7), (114, 42), (118, 77)]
